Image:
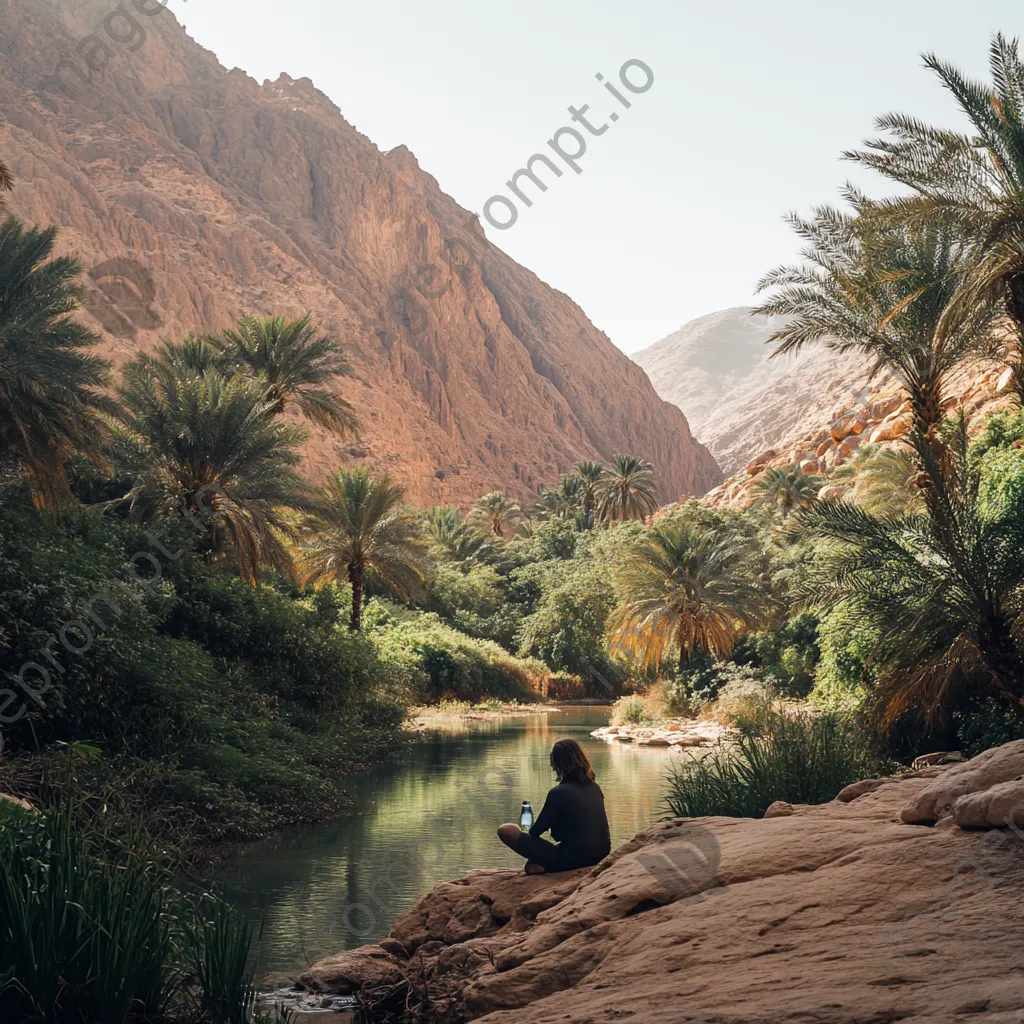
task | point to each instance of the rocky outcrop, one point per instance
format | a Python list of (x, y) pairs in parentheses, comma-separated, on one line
[(878, 414), (192, 193), (837, 913)]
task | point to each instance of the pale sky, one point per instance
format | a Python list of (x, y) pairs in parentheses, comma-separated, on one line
[(678, 209)]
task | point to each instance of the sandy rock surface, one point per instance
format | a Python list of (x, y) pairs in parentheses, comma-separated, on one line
[(673, 735), (842, 912), (935, 801)]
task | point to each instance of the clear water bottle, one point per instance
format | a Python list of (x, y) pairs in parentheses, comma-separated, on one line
[(526, 816)]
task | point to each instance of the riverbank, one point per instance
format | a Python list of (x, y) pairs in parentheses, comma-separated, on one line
[(446, 711), (736, 919), (127, 791)]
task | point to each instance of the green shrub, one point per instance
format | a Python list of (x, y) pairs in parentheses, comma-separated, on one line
[(789, 653), (799, 758), (567, 629), (988, 723), (845, 671), (700, 686), (438, 661), (631, 710)]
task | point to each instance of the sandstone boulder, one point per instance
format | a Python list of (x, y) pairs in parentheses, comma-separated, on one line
[(833, 491), (996, 807), (687, 740), (656, 741), (759, 462), (936, 800), (368, 967)]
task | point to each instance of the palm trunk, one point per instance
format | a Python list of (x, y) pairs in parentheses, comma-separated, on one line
[(684, 654), (926, 402), (356, 576), (1014, 296), (1003, 661)]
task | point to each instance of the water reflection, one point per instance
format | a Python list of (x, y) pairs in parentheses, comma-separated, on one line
[(428, 817)]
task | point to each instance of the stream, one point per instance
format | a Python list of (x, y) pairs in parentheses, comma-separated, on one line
[(429, 815)]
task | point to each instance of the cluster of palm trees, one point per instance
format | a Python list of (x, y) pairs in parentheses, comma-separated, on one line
[(921, 284), (596, 493)]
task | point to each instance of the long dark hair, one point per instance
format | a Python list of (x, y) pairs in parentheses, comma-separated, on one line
[(570, 763)]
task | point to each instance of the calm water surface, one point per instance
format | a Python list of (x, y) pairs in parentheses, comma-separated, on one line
[(430, 816)]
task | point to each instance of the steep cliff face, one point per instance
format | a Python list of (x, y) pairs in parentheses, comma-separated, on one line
[(195, 193)]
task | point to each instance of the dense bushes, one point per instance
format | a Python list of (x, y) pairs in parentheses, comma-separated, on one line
[(438, 661), (237, 704)]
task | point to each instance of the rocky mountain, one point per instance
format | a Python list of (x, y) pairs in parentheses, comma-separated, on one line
[(737, 400), (192, 193)]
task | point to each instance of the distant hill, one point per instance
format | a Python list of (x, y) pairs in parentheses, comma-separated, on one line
[(737, 400)]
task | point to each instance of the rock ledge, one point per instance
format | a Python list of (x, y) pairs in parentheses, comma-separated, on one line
[(843, 912)]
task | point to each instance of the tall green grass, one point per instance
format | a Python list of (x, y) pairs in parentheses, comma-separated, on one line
[(91, 932), (800, 758)]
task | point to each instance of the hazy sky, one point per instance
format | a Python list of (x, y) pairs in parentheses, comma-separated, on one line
[(677, 211)]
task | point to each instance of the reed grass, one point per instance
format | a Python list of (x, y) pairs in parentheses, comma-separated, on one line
[(800, 757), (92, 932)]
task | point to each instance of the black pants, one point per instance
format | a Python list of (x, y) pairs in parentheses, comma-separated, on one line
[(552, 856)]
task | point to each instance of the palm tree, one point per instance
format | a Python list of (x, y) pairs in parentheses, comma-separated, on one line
[(687, 587), (451, 537), (496, 511), (565, 501), (887, 291), (296, 364), (881, 479), (943, 593), (199, 443), (973, 181), (6, 185), (626, 489), (590, 473), (787, 489), (363, 535), (194, 354), (51, 399)]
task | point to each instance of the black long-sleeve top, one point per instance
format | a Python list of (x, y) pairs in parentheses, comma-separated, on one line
[(574, 812)]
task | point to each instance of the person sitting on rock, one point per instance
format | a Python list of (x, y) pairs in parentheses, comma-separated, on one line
[(573, 811)]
